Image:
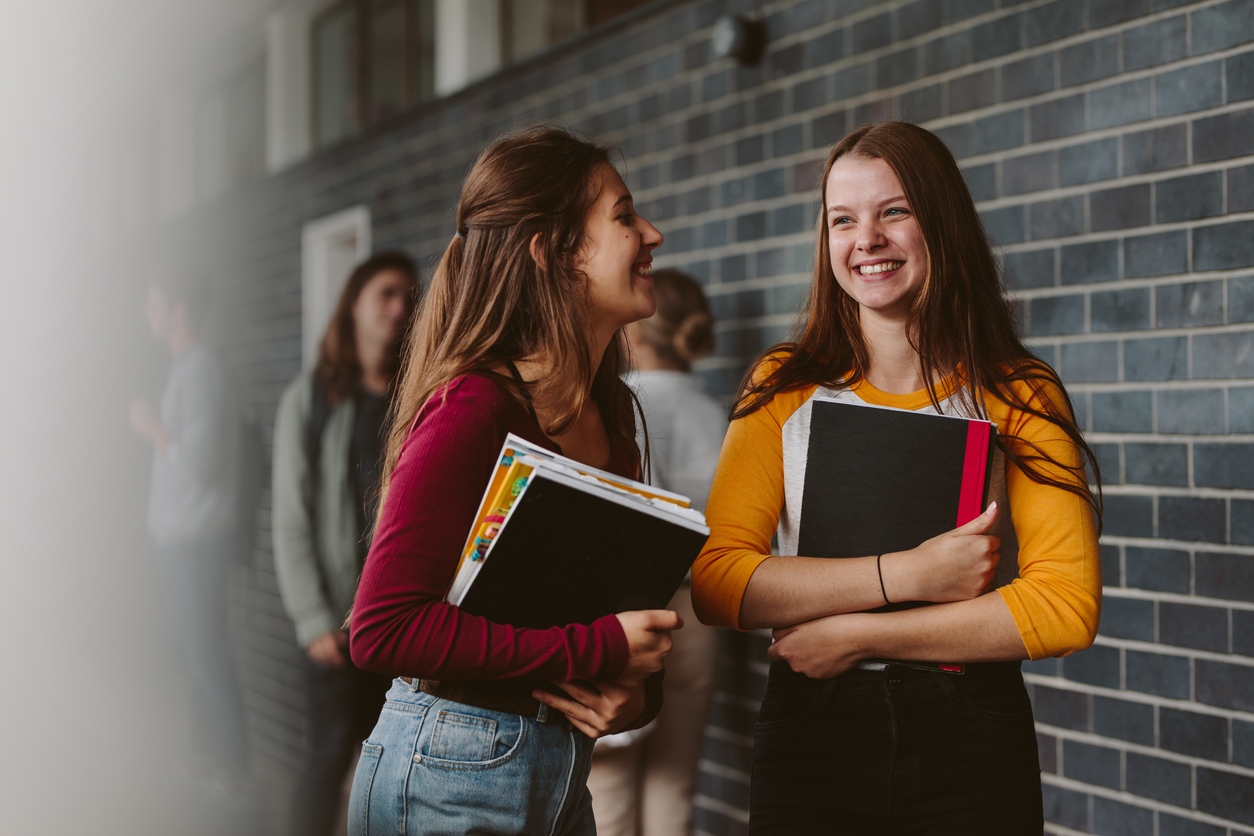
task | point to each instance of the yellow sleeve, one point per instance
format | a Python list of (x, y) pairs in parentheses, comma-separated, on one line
[(1056, 601), (743, 509)]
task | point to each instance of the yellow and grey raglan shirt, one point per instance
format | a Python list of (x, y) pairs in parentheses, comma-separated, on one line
[(1050, 568)]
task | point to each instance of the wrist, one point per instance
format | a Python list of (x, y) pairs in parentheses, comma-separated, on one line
[(898, 583)]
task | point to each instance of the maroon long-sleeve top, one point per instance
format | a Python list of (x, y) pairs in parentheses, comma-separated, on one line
[(401, 623)]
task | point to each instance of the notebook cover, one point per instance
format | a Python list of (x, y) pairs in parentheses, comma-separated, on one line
[(567, 556), (882, 480)]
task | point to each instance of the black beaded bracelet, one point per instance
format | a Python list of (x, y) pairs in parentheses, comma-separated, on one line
[(880, 572)]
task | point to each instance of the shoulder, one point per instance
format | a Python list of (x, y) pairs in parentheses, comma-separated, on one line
[(297, 394), (768, 364), (470, 404)]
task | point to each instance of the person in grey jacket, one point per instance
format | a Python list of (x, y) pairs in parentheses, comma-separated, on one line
[(193, 513), (327, 457)]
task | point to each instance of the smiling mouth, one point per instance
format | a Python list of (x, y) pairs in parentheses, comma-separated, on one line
[(642, 269), (882, 267)]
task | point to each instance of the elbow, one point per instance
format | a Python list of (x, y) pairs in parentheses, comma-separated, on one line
[(1076, 627)]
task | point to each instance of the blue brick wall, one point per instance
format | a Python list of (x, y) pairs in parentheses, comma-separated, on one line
[(1110, 147)]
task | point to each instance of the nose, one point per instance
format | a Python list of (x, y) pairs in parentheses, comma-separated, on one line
[(649, 235), (870, 236)]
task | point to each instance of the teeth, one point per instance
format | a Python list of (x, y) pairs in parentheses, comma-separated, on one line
[(884, 267), (644, 269)]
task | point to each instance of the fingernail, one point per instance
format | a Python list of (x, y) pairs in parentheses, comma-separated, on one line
[(992, 505)]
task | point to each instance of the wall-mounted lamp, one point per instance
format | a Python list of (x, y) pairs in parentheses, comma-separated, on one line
[(740, 38)]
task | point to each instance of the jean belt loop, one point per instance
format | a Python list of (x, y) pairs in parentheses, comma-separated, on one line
[(946, 684), (542, 716)]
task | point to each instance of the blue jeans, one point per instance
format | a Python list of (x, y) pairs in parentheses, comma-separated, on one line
[(440, 768), (899, 751)]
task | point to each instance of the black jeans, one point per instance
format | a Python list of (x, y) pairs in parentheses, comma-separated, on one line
[(898, 751), (341, 707)]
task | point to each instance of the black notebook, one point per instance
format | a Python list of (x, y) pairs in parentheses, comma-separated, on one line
[(572, 548), (883, 480)]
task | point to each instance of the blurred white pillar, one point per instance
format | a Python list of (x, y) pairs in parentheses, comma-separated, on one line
[(288, 90), (467, 42), (331, 247), (177, 178)]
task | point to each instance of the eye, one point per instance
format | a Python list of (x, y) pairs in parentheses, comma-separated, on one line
[(842, 220), (897, 210), (627, 217)]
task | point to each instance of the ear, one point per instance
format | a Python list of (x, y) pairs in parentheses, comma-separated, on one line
[(537, 249)]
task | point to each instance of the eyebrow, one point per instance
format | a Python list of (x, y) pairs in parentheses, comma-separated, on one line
[(900, 197), (626, 197)]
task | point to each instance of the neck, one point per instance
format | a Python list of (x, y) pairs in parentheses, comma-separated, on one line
[(895, 366), (372, 357)]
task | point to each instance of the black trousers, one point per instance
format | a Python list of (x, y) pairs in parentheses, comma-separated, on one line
[(898, 751), (341, 708)]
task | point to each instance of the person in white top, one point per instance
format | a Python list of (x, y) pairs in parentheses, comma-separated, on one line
[(642, 781)]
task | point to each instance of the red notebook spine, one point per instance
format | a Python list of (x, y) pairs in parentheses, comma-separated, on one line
[(974, 462)]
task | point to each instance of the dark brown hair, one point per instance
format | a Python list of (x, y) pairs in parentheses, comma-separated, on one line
[(490, 302), (338, 368), (682, 329), (960, 320)]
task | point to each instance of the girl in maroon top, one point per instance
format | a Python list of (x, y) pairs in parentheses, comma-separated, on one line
[(520, 332)]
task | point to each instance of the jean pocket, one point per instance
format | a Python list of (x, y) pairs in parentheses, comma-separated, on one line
[(787, 700), (1002, 699), (469, 741), (363, 782)]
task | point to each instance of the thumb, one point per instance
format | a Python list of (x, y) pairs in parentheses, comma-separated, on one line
[(664, 620), (982, 523)]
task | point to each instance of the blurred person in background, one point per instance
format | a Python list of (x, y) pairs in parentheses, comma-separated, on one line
[(642, 781), (193, 512), (327, 456)]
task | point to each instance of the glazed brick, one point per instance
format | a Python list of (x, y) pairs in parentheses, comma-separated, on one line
[(1004, 226), (1106, 12), (1056, 707), (1241, 522), (1119, 310), (1156, 464), (1160, 779), (786, 140), (1158, 254), (791, 219), (957, 138), (1117, 818), (1191, 411), (972, 91), (1157, 358), (851, 81), (1192, 518), (1222, 26), (1123, 719), (1192, 733), (1157, 149), (997, 37), (1095, 261), (827, 129), (1192, 88), (1120, 208), (1028, 77), (1189, 198), (981, 181), (1239, 77), (1160, 42), (1059, 118), (1128, 516), (1157, 570), (1228, 576), (1123, 412), (1225, 685), (1241, 189), (1156, 673), (1097, 666), (1224, 246), (1243, 742), (1241, 409), (1053, 21), (997, 133), (1189, 305), (1224, 465), (1091, 362), (1111, 573), (1225, 794), (1098, 765), (1053, 315), (1064, 807), (957, 10), (1088, 163), (1031, 269), (1120, 104), (1169, 825), (1107, 456), (1029, 173), (768, 106), (712, 234), (919, 17), (872, 33), (1223, 137), (732, 193), (1219, 356), (1047, 752), (1089, 61), (948, 52), (922, 105), (1056, 218), (1189, 625)]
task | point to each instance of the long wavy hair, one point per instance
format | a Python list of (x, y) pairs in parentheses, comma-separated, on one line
[(491, 302), (960, 321), (338, 369), (682, 329)]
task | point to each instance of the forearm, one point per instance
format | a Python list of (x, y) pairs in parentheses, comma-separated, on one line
[(784, 591), (979, 630)]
